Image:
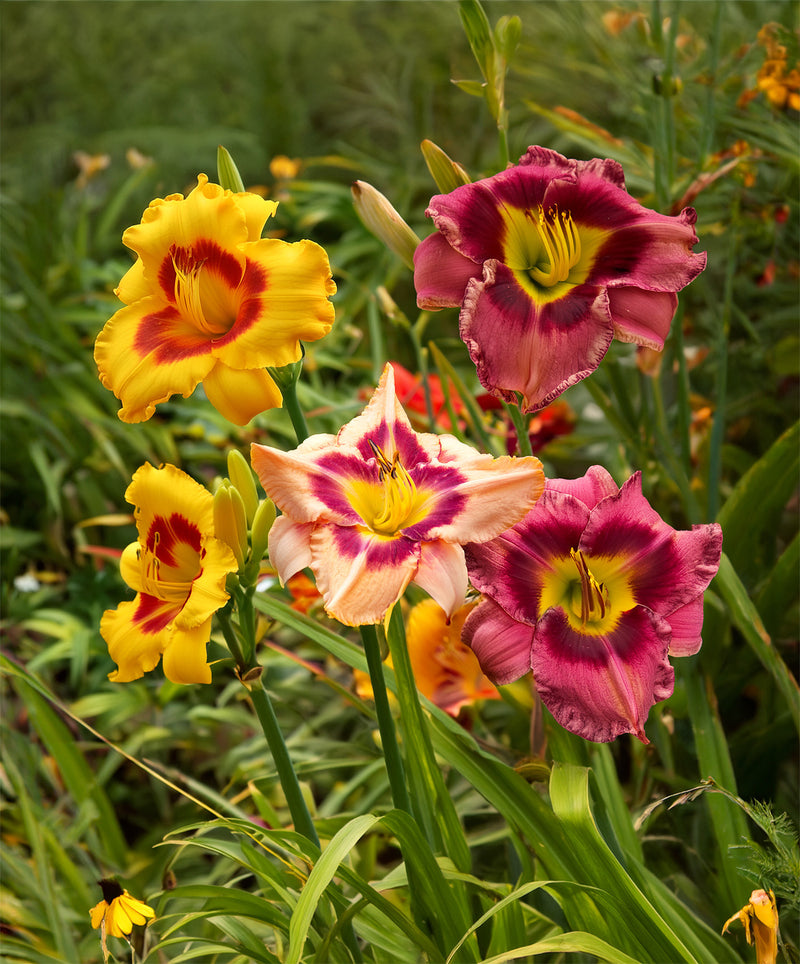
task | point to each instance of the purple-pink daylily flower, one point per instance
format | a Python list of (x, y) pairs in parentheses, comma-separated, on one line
[(592, 590), (379, 506), (549, 260)]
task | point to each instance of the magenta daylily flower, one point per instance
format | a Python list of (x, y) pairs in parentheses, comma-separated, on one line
[(592, 590), (549, 260), (379, 506)]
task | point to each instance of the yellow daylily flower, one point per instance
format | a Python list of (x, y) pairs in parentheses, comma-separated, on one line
[(208, 300), (178, 568)]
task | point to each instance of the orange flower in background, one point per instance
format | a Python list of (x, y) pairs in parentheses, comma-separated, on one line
[(445, 669), (209, 301), (779, 84)]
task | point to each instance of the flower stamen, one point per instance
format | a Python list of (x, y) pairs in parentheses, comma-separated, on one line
[(594, 594), (187, 292), (399, 492), (561, 246)]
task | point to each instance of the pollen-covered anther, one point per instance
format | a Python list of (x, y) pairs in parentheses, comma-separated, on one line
[(594, 594), (561, 247)]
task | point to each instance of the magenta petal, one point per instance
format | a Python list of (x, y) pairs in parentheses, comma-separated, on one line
[(687, 624), (641, 316), (502, 645), (441, 274), (539, 350), (667, 568), (602, 686), (597, 484), (511, 568)]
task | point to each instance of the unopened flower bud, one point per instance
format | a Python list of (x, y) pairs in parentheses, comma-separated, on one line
[(241, 475), (259, 531), (230, 522), (446, 173), (384, 222)]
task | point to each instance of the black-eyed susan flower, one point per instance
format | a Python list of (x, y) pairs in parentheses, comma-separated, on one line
[(117, 912), (208, 300), (550, 260), (592, 591), (379, 506), (178, 568)]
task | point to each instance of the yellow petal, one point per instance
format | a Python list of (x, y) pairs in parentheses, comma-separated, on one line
[(293, 305), (185, 658), (241, 394), (166, 490), (146, 353), (134, 651), (97, 913)]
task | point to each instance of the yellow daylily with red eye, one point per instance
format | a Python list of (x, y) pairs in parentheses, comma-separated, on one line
[(178, 569), (208, 300), (379, 505)]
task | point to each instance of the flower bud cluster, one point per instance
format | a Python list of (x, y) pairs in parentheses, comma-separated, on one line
[(241, 519)]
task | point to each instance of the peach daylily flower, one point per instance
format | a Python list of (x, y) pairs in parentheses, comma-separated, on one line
[(379, 506)]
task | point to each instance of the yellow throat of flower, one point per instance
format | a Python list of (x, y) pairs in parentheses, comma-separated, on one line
[(589, 597), (195, 299), (593, 593), (399, 494), (547, 251)]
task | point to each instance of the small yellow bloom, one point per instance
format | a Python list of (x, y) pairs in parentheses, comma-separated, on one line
[(178, 568), (760, 919), (117, 912)]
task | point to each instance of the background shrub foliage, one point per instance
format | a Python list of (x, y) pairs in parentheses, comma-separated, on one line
[(350, 89)]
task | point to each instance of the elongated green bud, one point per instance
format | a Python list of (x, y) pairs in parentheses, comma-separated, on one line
[(259, 531), (228, 172), (446, 173), (241, 475), (230, 523), (384, 222)]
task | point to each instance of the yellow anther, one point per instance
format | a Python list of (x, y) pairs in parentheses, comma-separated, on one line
[(561, 247), (399, 493)]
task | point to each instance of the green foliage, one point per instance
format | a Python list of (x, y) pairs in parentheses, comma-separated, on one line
[(506, 856)]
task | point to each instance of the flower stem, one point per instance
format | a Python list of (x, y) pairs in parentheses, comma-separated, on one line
[(432, 803), (283, 764), (391, 749), (523, 439), (292, 406), (266, 715)]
